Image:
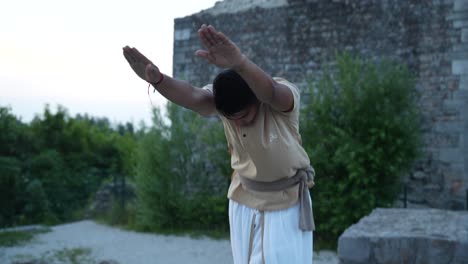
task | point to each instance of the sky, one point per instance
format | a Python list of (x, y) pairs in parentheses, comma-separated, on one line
[(69, 53)]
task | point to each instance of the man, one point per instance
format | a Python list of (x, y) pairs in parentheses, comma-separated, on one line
[(270, 212)]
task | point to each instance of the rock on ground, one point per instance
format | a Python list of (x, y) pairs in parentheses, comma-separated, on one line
[(417, 236)]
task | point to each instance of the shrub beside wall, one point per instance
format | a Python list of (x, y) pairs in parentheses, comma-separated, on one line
[(361, 130)]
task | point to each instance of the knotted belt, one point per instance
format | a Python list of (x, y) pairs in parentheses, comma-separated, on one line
[(302, 176)]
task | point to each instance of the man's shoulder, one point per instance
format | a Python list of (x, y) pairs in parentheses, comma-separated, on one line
[(294, 89), (289, 84), (208, 87)]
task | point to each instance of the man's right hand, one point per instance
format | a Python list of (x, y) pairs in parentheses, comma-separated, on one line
[(141, 65)]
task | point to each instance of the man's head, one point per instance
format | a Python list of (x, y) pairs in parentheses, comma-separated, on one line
[(234, 98)]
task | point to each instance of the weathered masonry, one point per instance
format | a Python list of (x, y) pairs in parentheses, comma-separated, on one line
[(296, 38)]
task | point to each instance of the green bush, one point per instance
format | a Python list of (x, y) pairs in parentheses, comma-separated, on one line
[(9, 183), (52, 165), (361, 131), (152, 178), (36, 207), (182, 174)]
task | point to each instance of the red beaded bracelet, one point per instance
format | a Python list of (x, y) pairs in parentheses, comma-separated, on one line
[(161, 79), (156, 83)]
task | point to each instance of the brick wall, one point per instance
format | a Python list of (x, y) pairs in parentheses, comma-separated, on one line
[(297, 38)]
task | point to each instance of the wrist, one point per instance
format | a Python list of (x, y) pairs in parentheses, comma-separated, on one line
[(161, 79), (241, 64)]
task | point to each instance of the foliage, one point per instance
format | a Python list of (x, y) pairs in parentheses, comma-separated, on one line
[(52, 166), (9, 187), (361, 132), (15, 238), (70, 256), (181, 175), (14, 147), (78, 255), (9, 239)]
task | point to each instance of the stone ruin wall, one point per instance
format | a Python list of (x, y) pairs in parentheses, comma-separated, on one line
[(297, 38)]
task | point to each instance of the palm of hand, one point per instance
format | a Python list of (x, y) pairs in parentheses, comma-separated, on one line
[(224, 55), (221, 51)]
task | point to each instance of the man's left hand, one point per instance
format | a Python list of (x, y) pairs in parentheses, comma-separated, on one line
[(220, 50)]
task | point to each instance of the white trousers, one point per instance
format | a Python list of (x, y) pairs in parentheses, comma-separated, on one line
[(276, 237)]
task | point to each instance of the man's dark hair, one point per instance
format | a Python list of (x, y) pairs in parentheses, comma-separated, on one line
[(231, 93)]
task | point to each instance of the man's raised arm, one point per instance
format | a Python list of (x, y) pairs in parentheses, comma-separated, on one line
[(222, 52), (176, 91)]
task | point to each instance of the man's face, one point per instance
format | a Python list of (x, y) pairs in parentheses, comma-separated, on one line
[(245, 117)]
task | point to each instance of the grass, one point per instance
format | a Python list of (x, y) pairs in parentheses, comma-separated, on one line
[(63, 256), (322, 242), (10, 239), (72, 256), (194, 233), (14, 238), (125, 219)]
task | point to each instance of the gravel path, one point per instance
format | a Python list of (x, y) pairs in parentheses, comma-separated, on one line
[(129, 247)]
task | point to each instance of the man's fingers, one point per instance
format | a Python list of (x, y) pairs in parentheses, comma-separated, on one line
[(206, 36), (136, 63), (201, 53), (214, 35), (223, 37), (205, 41), (209, 33), (129, 57), (205, 55), (133, 55), (139, 56)]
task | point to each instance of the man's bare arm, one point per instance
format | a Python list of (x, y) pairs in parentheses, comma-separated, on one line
[(267, 90), (176, 91), (222, 52), (184, 94)]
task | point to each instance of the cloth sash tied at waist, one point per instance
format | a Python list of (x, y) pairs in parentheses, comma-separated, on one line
[(302, 176)]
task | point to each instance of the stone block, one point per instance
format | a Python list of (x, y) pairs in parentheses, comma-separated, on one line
[(384, 250), (448, 127), (460, 54), (460, 24), (438, 250), (463, 82), (460, 67), (182, 34), (461, 253), (460, 5), (460, 49), (457, 15), (464, 35), (461, 95), (419, 236), (354, 249), (419, 175), (454, 104), (451, 155)]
